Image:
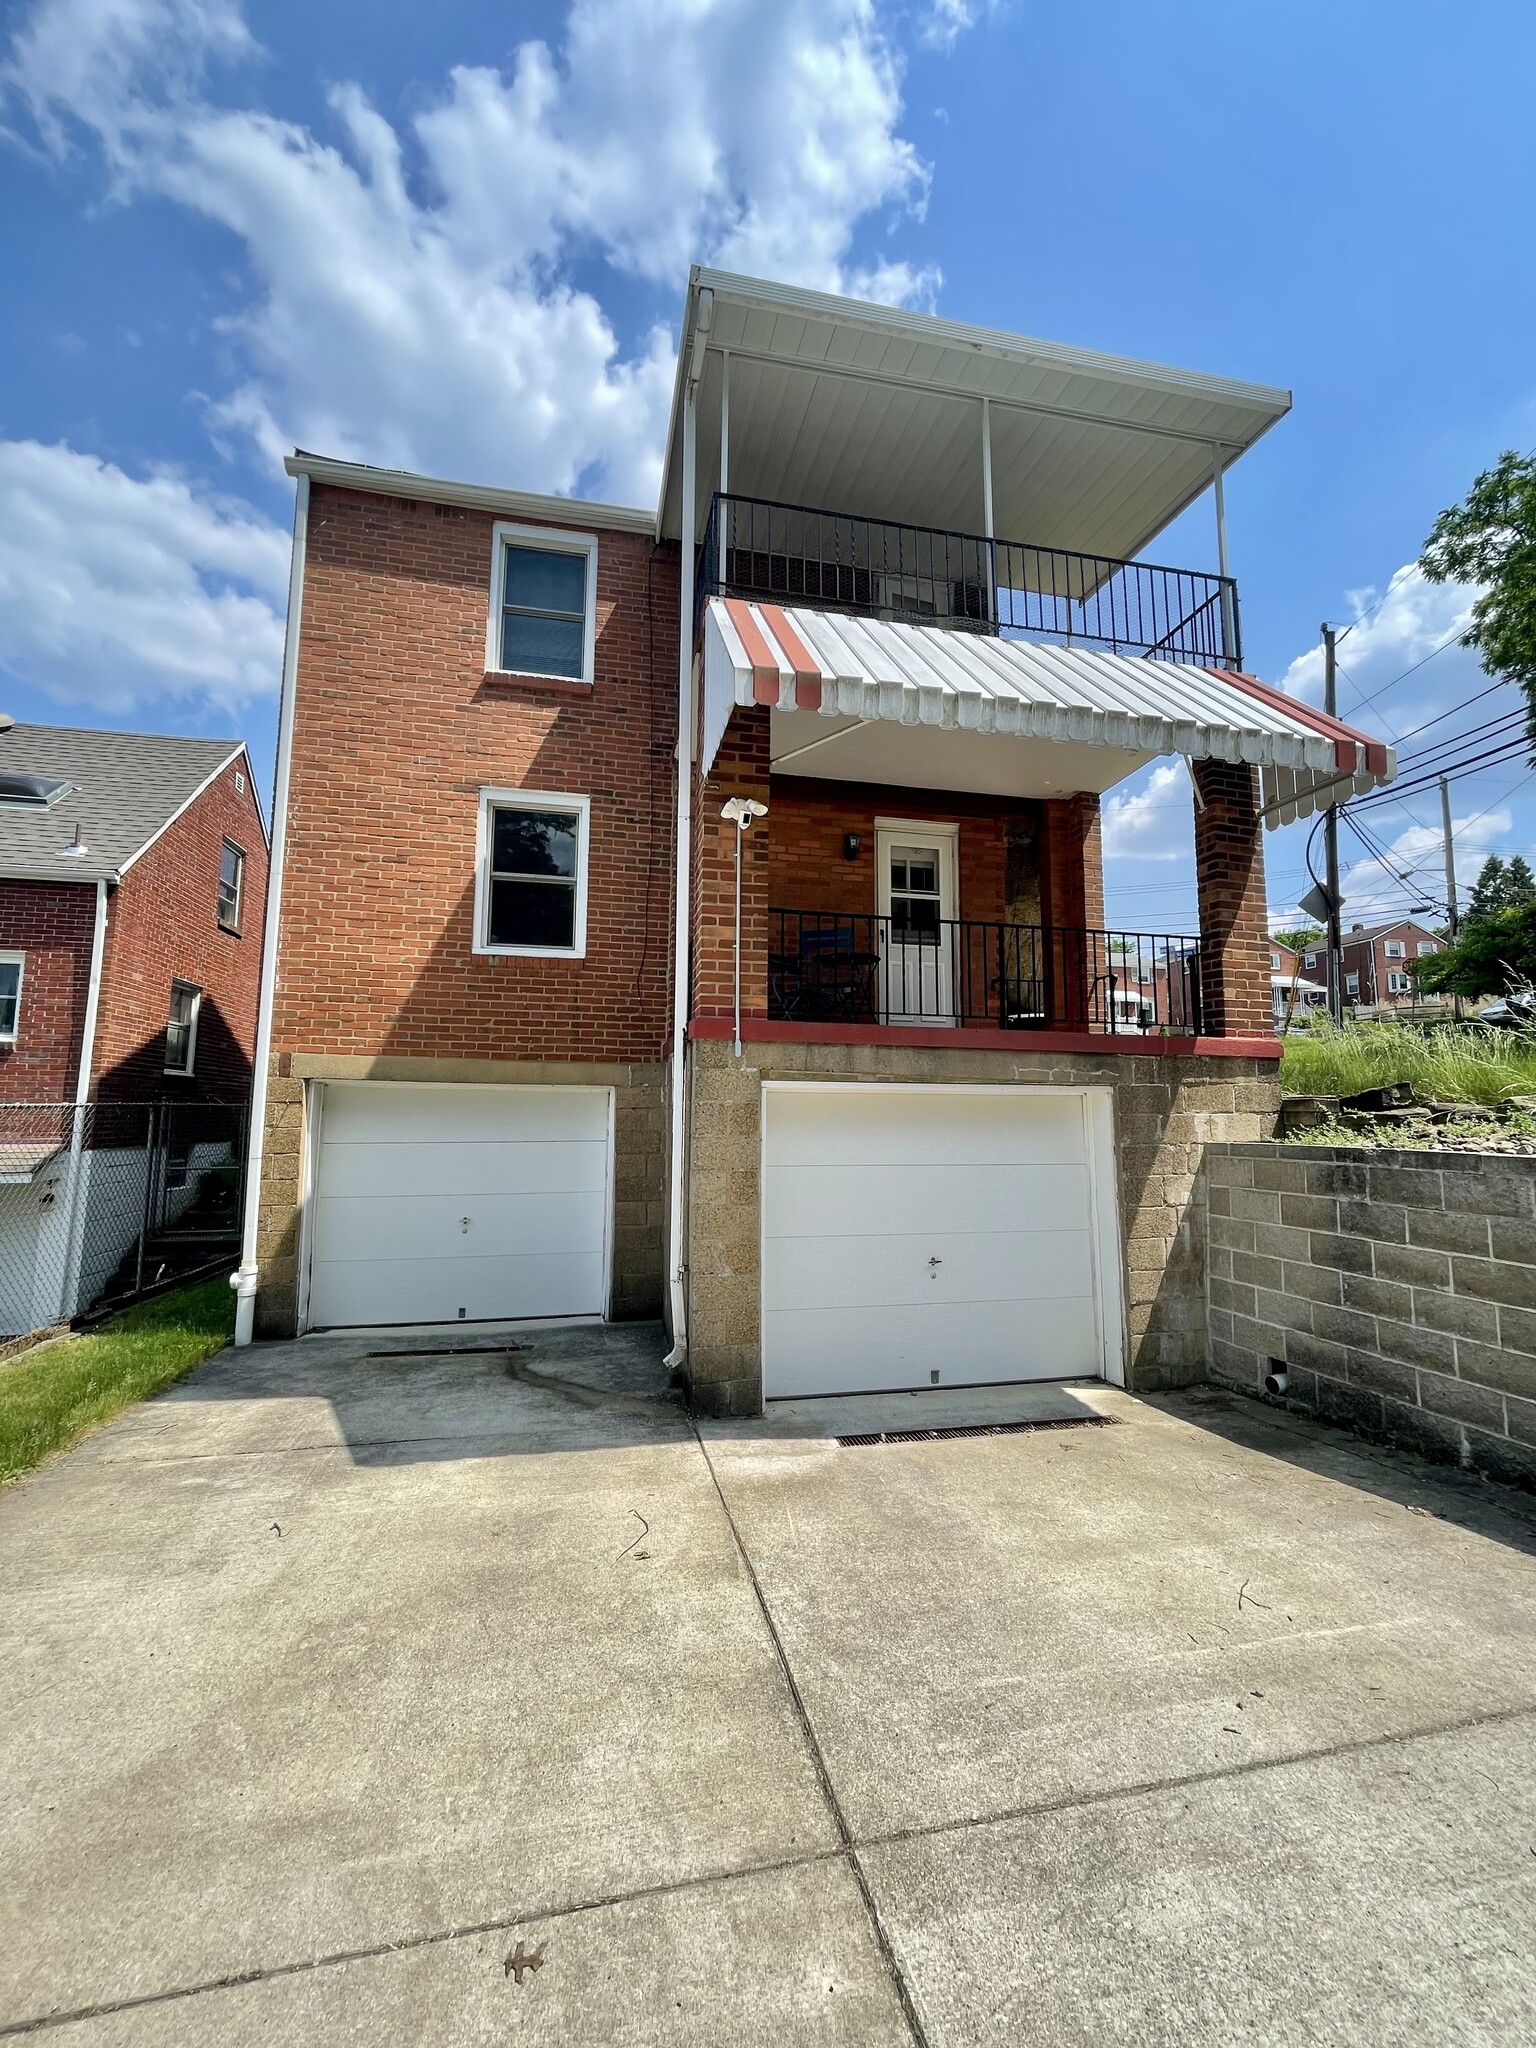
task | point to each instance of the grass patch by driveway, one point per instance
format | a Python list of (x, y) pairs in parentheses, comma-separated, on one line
[(1445, 1064), (57, 1394)]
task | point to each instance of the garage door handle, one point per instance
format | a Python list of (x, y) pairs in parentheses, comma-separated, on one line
[(463, 1223), (935, 1262)]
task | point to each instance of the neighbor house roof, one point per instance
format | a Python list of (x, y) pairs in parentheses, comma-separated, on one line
[(1361, 935), (123, 789), (830, 674), (434, 490)]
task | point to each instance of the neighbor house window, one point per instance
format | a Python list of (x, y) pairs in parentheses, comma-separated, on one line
[(1398, 984), (231, 885), (11, 965), (543, 603), (1428, 946), (1274, 963), (1351, 984), (1394, 949), (181, 1029), (1311, 960), (531, 883)]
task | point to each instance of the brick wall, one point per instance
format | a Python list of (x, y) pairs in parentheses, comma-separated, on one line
[(162, 926), (52, 923), (1399, 1289), (398, 726), (740, 768), (1234, 918)]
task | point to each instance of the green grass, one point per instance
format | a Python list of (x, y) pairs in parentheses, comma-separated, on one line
[(1444, 1064), (50, 1399)]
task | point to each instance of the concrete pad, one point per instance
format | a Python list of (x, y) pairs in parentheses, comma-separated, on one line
[(1046, 1402), (785, 1959), (1386, 1896), (991, 1624), (261, 1705)]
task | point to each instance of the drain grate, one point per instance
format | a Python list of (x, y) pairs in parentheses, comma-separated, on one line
[(933, 1436), (451, 1351)]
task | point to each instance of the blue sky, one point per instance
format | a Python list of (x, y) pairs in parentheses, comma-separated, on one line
[(455, 238)]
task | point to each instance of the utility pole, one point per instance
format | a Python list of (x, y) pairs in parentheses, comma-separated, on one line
[(1331, 846), (1450, 875)]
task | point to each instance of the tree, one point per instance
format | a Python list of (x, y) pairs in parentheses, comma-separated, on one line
[(1501, 887), (1299, 939), (1494, 954), (1490, 539)]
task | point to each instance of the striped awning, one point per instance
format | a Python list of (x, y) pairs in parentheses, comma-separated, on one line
[(844, 666)]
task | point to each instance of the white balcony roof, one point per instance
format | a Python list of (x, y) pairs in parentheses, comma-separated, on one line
[(875, 411), (936, 707)]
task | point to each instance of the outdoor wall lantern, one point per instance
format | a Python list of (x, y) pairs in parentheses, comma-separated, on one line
[(852, 841)]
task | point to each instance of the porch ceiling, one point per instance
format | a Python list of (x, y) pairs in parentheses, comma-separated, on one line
[(868, 409), (936, 707)]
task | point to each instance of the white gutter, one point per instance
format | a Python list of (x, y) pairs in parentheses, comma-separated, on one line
[(244, 1279), (83, 1096), (680, 951)]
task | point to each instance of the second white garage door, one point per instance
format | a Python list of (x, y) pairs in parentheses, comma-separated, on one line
[(923, 1236), (449, 1204)]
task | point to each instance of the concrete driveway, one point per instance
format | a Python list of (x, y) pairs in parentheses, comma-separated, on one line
[(340, 1687)]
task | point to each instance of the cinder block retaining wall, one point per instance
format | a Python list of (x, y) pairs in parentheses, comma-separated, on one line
[(1399, 1289)]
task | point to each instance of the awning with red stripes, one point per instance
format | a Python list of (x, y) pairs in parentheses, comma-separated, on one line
[(844, 667)]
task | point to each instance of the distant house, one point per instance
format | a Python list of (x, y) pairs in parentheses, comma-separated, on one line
[(133, 875), (1375, 961), (1293, 987)]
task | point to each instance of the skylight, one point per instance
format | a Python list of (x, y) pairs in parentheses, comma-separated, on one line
[(37, 792)]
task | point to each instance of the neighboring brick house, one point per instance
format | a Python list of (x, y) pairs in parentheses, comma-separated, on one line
[(1376, 961), (701, 910), (1295, 989), (133, 876)]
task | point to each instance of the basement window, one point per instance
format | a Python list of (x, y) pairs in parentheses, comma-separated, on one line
[(543, 603), (531, 874), (181, 1028)]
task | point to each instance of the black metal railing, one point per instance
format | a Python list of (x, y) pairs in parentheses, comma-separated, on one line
[(838, 968), (835, 561)]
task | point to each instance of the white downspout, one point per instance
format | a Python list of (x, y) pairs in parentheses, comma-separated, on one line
[(243, 1280), (73, 1255), (680, 951)]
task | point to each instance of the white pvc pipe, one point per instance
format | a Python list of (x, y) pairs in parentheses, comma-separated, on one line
[(677, 1293), (243, 1280), (736, 943)]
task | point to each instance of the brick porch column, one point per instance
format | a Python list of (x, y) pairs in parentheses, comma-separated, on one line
[(1234, 918), (740, 769), (1072, 901)]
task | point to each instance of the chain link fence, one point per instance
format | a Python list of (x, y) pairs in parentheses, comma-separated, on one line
[(102, 1202)]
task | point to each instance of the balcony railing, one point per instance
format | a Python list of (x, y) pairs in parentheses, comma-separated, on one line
[(834, 561), (830, 967)]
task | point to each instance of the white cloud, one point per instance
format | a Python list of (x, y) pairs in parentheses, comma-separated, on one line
[(411, 299), (1415, 867), (1410, 621), (1152, 821), (117, 592)]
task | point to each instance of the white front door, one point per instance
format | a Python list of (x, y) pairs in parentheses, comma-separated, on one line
[(935, 1236), (917, 931), (441, 1204)]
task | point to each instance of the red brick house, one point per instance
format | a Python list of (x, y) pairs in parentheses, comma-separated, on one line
[(133, 876), (1377, 961), (700, 909)]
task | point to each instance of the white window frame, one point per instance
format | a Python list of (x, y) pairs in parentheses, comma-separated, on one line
[(190, 1068), (1309, 960), (1394, 949), (1352, 986), (553, 540), (1428, 947), (1398, 983), (239, 919), (531, 800), (19, 962)]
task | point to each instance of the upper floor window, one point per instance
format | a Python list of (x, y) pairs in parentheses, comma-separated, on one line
[(1394, 949), (1310, 959), (181, 1028), (11, 965), (1428, 946), (1274, 963), (231, 885), (531, 875), (543, 603)]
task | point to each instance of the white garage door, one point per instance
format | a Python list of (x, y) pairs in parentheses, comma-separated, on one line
[(449, 1204), (916, 1237)]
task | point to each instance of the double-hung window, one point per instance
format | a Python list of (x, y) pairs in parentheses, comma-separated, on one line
[(11, 965), (181, 1027), (531, 878), (231, 885), (1394, 949), (1398, 984), (543, 603)]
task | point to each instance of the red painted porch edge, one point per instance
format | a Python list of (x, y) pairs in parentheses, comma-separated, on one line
[(769, 1031)]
